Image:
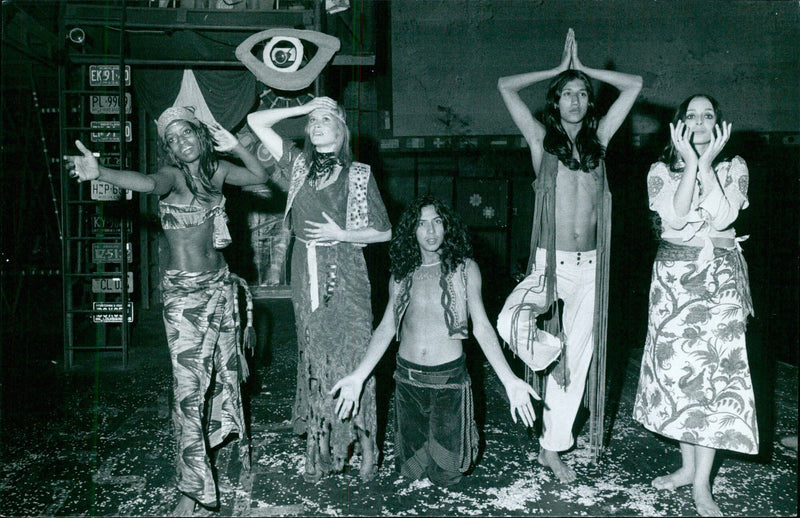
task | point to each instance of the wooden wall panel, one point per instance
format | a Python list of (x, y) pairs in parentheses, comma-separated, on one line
[(448, 54)]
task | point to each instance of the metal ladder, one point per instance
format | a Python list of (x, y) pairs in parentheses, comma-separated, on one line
[(95, 216)]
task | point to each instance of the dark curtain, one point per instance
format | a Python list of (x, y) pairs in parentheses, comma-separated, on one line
[(230, 94)]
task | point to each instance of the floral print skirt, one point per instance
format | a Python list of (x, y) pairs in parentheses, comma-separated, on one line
[(694, 384)]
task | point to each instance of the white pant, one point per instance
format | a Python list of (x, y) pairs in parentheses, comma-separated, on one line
[(575, 280)]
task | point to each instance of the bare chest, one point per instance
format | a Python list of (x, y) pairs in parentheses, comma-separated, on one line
[(576, 209), (424, 311), (576, 193), (425, 289)]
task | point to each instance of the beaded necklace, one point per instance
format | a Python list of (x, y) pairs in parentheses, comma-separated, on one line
[(428, 273)]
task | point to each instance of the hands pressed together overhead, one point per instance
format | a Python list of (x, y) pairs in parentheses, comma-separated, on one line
[(569, 57)]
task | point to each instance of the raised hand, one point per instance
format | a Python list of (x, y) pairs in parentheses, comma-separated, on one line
[(681, 139), (519, 398), (576, 63), (323, 103), (719, 137), (328, 231), (349, 389), (567, 55), (224, 141), (82, 167)]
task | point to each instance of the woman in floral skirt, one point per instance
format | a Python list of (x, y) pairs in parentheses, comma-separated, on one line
[(694, 385)]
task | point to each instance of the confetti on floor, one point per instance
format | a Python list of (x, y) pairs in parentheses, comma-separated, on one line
[(98, 441)]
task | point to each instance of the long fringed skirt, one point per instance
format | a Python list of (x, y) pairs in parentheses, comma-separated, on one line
[(331, 340)]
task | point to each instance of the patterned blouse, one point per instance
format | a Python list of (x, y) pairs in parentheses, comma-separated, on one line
[(712, 217)]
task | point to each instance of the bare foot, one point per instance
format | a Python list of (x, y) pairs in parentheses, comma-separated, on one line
[(552, 460), (311, 474), (704, 501), (680, 478), (368, 465), (185, 507)]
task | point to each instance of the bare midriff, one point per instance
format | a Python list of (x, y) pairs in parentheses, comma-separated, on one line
[(424, 338), (576, 210), (192, 250)]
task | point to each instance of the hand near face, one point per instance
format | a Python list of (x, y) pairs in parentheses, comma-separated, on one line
[(681, 140), (321, 103), (719, 137), (328, 231), (82, 167), (224, 141)]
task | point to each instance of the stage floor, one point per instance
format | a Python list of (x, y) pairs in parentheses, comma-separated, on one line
[(98, 441)]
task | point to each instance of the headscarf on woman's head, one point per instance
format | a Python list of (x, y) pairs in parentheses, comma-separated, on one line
[(344, 156), (175, 113), (338, 113), (208, 159)]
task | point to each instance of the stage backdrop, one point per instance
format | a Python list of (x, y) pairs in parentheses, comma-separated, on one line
[(448, 54)]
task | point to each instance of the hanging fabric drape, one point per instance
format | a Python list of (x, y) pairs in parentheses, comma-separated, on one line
[(190, 95), (229, 95)]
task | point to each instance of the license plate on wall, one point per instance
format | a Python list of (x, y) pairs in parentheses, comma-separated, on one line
[(109, 224), (111, 284), (107, 75), (105, 191), (111, 133), (104, 318), (102, 104), (110, 253)]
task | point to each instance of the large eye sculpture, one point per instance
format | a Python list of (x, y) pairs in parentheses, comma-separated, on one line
[(283, 55)]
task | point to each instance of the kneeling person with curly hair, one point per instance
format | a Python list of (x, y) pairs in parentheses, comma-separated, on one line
[(435, 287)]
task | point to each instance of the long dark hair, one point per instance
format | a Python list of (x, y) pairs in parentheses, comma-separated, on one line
[(669, 155), (208, 163), (404, 249), (556, 140)]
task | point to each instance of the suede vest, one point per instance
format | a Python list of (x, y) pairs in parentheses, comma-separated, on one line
[(357, 207), (454, 302), (543, 235)]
